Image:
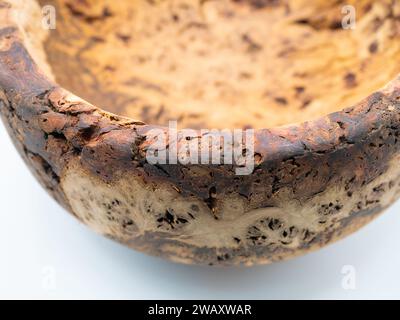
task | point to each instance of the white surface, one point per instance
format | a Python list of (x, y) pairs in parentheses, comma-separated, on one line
[(46, 253)]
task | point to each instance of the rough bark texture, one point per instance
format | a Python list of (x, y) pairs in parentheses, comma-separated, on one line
[(313, 183)]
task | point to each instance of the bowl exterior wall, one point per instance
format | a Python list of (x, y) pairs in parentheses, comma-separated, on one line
[(313, 183)]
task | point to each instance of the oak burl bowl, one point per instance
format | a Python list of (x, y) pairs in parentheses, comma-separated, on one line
[(323, 98)]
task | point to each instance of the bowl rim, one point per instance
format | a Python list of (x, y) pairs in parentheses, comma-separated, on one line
[(20, 73)]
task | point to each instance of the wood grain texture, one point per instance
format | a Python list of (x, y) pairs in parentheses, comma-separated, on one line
[(313, 183)]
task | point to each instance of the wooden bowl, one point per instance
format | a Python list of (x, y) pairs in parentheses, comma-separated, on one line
[(323, 97)]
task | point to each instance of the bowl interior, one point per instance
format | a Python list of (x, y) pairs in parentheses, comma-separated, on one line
[(224, 63)]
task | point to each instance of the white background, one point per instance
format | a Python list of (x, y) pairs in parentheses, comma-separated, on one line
[(46, 253)]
